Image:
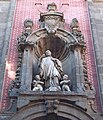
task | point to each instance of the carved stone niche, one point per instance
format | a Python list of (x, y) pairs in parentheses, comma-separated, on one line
[(51, 20), (63, 45)]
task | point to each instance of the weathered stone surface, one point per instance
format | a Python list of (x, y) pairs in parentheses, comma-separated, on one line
[(26, 99), (96, 19), (52, 102), (6, 18)]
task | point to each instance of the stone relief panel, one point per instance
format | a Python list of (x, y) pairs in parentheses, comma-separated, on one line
[(51, 20)]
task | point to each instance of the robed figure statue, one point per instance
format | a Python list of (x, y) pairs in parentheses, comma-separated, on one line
[(50, 71)]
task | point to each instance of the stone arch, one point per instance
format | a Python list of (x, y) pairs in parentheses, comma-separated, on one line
[(44, 41), (33, 111), (62, 46), (43, 32)]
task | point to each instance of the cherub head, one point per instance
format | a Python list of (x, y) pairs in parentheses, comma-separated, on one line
[(37, 77), (48, 53), (65, 77)]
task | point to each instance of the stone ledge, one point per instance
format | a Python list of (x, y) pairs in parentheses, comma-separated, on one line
[(25, 98)]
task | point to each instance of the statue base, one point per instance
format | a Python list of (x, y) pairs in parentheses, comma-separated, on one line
[(53, 88)]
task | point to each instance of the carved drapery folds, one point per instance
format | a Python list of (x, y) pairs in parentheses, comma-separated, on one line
[(51, 75)]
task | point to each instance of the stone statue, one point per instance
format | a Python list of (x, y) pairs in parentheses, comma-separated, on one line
[(75, 29), (37, 84), (50, 71), (89, 87), (65, 83)]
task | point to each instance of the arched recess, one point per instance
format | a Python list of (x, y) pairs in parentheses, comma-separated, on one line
[(57, 43), (37, 111), (60, 46)]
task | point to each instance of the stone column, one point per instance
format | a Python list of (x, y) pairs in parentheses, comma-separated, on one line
[(78, 68), (26, 70)]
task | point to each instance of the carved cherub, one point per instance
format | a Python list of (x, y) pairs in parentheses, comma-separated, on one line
[(89, 87), (37, 84), (75, 29), (65, 83), (75, 25)]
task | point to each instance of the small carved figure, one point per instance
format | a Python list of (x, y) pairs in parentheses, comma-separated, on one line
[(51, 106), (75, 25), (75, 29), (37, 84), (65, 83), (12, 85), (89, 87), (50, 70)]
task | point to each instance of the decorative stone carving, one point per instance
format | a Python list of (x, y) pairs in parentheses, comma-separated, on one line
[(52, 7), (92, 105), (51, 77), (65, 83), (51, 106), (51, 20), (84, 66), (28, 24), (14, 88), (89, 87), (75, 30), (37, 84), (51, 71)]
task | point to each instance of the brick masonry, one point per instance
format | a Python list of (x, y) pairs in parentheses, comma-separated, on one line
[(27, 9)]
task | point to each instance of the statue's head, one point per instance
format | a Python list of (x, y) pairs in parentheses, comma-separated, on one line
[(65, 77), (48, 53), (37, 77), (74, 20)]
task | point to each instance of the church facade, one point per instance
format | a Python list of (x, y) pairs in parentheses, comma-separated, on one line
[(51, 62)]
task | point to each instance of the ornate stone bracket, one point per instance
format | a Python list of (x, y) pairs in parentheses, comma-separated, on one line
[(51, 106), (51, 20)]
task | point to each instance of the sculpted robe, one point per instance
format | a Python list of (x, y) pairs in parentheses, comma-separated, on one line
[(49, 71)]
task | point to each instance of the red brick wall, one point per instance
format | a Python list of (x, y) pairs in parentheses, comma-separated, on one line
[(27, 9)]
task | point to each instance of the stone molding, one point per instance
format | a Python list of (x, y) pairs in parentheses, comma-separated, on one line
[(38, 104)]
